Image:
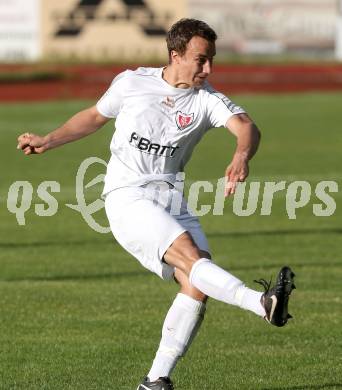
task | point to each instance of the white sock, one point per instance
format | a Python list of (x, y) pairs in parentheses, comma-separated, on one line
[(180, 327), (221, 285), (250, 300)]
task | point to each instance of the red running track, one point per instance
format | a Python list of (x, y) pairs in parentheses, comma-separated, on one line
[(90, 81)]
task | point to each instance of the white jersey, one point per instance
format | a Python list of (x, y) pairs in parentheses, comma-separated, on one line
[(157, 125)]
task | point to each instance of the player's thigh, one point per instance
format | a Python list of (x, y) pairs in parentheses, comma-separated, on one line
[(143, 228), (189, 246), (192, 225)]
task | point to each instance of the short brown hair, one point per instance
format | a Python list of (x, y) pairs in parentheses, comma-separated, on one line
[(182, 31)]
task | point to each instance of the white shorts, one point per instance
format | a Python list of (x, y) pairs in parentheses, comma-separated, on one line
[(141, 221)]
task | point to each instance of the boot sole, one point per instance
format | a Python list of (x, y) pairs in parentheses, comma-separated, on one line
[(281, 314)]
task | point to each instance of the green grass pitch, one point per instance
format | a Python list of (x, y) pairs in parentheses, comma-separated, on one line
[(77, 312)]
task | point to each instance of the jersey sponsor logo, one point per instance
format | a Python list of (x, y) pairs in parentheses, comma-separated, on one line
[(183, 120), (147, 146)]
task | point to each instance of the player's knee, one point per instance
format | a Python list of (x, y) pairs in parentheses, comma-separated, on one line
[(183, 253), (192, 259), (186, 288), (193, 292), (187, 265)]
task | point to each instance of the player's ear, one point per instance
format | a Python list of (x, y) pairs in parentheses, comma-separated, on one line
[(174, 57)]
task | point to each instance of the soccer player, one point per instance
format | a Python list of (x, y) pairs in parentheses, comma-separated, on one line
[(161, 114)]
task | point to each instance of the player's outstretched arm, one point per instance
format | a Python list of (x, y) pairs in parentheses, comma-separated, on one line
[(248, 138), (80, 125)]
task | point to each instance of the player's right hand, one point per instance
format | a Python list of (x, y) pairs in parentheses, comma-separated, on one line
[(31, 143)]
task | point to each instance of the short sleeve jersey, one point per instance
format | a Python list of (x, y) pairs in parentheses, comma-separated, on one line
[(157, 125)]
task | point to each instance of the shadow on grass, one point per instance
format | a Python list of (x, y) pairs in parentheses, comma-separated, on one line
[(253, 233), (117, 275), (294, 265), (282, 232), (303, 387), (42, 244), (80, 277)]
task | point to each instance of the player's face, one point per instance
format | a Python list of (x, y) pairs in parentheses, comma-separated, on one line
[(196, 63)]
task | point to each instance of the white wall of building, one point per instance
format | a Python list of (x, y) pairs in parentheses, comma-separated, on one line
[(20, 30)]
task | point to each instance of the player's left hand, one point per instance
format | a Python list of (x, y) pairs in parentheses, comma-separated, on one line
[(236, 172)]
